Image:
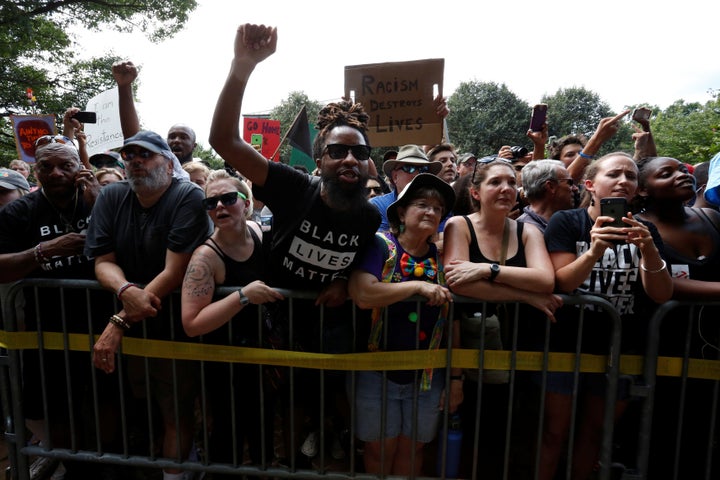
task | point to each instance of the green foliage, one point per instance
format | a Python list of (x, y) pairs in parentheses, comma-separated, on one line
[(484, 116), (689, 132), (286, 112), (36, 51)]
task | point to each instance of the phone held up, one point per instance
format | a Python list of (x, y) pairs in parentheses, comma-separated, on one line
[(641, 113), (538, 117), (615, 207), (85, 117)]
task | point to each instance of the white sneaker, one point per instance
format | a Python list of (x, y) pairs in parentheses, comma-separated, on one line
[(310, 445)]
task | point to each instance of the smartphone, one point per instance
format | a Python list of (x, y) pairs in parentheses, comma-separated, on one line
[(538, 117), (615, 207), (85, 117), (641, 113), (256, 140)]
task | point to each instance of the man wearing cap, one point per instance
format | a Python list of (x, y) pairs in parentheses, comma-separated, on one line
[(411, 161), (13, 185), (142, 234), (108, 159), (466, 164)]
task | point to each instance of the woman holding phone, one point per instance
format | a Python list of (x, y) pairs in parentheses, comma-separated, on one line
[(622, 264)]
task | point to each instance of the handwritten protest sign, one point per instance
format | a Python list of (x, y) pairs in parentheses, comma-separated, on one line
[(27, 129), (270, 131), (399, 99), (106, 134)]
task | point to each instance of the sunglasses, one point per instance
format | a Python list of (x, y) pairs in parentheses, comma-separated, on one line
[(227, 199), (339, 151), (377, 190), (414, 168), (46, 139), (486, 160), (569, 181), (143, 154)]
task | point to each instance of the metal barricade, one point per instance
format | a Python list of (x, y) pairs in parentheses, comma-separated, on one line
[(680, 394), (302, 371)]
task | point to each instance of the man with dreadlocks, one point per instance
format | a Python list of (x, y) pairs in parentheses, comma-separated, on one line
[(320, 224)]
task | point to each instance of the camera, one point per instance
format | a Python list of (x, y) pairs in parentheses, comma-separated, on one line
[(518, 152)]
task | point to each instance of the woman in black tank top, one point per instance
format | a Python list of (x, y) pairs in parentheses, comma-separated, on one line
[(231, 256)]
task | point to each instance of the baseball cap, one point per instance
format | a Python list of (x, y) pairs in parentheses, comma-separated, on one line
[(107, 158), (12, 180), (147, 140), (465, 157)]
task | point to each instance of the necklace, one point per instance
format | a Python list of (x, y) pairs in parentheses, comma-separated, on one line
[(67, 224)]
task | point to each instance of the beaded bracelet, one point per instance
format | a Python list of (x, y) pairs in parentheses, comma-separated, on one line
[(585, 155), (122, 289), (39, 255), (120, 322), (664, 266)]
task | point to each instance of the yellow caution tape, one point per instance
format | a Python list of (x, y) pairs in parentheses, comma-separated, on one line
[(400, 360)]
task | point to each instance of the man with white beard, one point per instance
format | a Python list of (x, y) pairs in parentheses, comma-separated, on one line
[(142, 234)]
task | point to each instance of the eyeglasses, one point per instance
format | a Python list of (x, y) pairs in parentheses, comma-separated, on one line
[(338, 151), (45, 139), (143, 154), (414, 168), (424, 206), (377, 190), (570, 182), (227, 199)]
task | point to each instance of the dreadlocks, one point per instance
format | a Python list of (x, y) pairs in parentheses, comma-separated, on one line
[(343, 113)]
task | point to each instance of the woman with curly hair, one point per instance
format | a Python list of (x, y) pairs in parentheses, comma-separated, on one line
[(320, 223)]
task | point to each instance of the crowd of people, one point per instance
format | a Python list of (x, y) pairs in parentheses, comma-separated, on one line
[(510, 230)]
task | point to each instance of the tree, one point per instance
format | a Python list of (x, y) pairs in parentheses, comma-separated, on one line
[(37, 51), (689, 132), (484, 116)]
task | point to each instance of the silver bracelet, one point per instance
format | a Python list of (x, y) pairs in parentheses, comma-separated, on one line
[(664, 266)]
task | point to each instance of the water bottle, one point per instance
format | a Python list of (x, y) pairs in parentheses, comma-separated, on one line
[(454, 444)]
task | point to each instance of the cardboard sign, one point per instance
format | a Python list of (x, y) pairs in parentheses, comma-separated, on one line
[(270, 131), (398, 97), (27, 129), (106, 134)]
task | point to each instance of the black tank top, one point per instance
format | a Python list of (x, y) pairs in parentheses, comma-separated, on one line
[(243, 329)]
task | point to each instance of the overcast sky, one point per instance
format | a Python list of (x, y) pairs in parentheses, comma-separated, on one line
[(628, 52)]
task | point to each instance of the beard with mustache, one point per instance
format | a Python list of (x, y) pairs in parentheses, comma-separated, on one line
[(343, 196), (155, 179)]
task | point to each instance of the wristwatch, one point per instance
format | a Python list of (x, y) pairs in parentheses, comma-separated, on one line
[(494, 271), (243, 299)]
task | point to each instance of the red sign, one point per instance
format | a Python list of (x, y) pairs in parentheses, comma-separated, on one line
[(27, 129), (270, 131)]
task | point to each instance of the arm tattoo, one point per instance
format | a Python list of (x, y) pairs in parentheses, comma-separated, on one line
[(199, 281)]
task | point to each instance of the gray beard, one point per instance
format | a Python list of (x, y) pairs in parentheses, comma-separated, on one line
[(155, 180)]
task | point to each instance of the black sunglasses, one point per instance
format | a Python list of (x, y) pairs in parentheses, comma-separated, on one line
[(142, 153), (414, 168), (227, 199), (338, 151), (377, 190)]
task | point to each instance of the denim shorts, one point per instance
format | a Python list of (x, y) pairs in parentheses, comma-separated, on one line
[(399, 418)]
